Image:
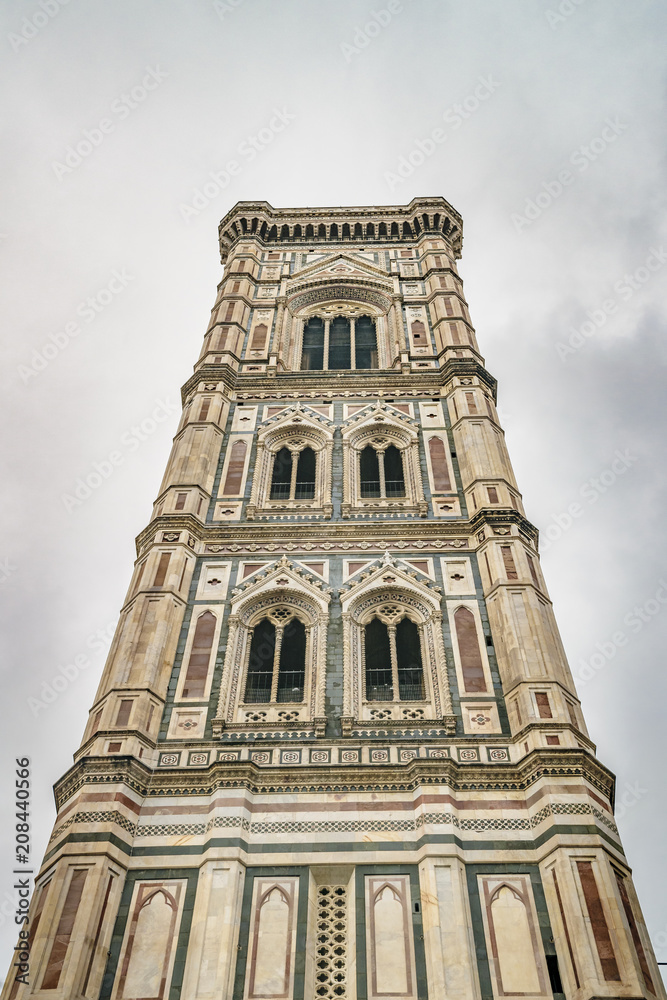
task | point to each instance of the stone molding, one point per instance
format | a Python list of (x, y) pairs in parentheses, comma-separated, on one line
[(262, 222), (458, 776)]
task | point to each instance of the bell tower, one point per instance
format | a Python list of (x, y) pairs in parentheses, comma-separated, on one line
[(336, 751)]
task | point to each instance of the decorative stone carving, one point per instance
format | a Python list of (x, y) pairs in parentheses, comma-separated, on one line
[(281, 590), (373, 595)]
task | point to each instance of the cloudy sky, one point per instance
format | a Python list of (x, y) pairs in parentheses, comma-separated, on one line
[(551, 121)]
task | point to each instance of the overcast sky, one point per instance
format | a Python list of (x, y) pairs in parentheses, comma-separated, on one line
[(552, 128)]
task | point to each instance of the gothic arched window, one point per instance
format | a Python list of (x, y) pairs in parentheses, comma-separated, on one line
[(378, 662), (292, 662), (365, 341), (293, 475), (394, 480), (260, 664), (305, 475), (393, 656), (409, 659), (312, 357), (370, 472), (381, 472), (339, 344), (281, 476), (277, 661)]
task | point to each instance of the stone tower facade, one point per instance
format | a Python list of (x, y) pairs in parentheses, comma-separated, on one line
[(336, 750)]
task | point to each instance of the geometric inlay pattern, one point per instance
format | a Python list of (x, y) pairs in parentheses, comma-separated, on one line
[(479, 824), (331, 961)]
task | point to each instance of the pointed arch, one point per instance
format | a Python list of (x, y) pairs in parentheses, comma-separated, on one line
[(262, 641), (196, 676), (409, 661), (235, 469), (378, 671), (259, 675), (366, 349), (394, 475), (258, 340), (276, 668), (439, 465), (312, 351), (472, 667), (281, 475), (369, 472), (339, 344), (305, 474), (292, 663)]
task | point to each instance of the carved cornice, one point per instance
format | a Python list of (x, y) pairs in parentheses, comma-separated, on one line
[(499, 524), (275, 227), (537, 765), (452, 535), (296, 384), (377, 535)]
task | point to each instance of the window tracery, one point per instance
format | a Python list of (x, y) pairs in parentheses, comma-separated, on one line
[(381, 463), (293, 465), (275, 663), (294, 472), (341, 343), (394, 658), (381, 470), (277, 660)]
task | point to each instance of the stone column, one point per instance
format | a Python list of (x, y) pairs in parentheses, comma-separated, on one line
[(391, 629), (325, 362), (276, 664)]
